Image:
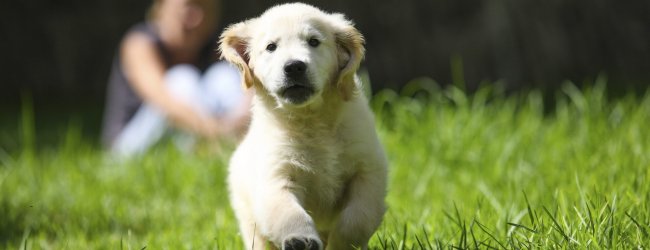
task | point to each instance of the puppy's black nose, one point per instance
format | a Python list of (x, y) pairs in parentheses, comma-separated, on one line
[(295, 68)]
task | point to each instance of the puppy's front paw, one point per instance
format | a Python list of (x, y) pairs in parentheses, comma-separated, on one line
[(300, 243)]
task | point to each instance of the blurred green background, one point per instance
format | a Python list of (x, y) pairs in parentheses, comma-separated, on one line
[(513, 124)]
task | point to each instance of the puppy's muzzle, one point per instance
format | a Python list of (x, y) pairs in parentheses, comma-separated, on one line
[(297, 88)]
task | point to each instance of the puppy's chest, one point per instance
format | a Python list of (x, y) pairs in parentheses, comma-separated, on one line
[(312, 154), (318, 171)]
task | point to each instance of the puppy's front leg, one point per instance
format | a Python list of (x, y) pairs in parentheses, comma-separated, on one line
[(284, 221), (362, 213)]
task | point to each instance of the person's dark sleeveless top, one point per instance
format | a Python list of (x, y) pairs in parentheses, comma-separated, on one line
[(121, 100)]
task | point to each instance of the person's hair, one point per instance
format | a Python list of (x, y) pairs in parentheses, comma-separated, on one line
[(210, 8)]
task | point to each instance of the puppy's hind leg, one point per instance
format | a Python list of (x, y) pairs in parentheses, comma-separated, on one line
[(285, 221)]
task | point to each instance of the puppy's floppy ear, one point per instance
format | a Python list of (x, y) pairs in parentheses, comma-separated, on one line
[(234, 47), (350, 45)]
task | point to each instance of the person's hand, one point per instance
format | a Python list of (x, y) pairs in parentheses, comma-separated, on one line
[(229, 127), (209, 128), (185, 118)]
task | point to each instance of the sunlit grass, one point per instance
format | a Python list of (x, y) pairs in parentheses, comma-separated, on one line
[(485, 170)]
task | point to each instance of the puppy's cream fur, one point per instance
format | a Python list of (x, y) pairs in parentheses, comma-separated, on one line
[(314, 171)]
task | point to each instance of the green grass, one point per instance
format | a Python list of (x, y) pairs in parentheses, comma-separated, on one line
[(467, 171)]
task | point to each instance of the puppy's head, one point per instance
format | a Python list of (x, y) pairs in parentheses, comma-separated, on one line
[(294, 53)]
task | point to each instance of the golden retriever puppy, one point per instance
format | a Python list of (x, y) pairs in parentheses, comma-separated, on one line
[(310, 173)]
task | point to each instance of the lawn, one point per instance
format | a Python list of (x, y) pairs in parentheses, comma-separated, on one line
[(485, 170)]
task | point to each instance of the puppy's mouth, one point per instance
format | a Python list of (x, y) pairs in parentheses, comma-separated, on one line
[(296, 93)]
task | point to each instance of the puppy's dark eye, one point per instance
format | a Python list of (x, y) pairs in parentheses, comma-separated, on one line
[(314, 42), (271, 47)]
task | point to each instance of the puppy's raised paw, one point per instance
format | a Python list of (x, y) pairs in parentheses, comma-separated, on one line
[(300, 243)]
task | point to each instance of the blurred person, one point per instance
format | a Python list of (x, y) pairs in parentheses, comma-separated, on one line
[(166, 76)]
